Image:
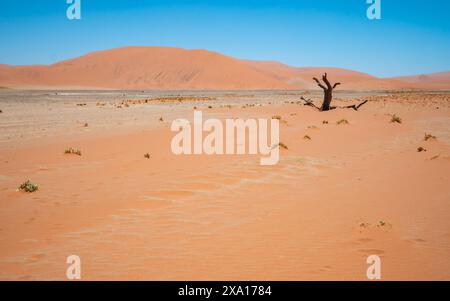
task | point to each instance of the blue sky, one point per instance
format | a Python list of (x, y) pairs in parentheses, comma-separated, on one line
[(413, 36)]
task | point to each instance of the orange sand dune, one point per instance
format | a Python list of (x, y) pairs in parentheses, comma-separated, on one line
[(144, 67), (175, 68)]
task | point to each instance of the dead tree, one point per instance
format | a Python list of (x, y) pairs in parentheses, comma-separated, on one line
[(327, 92), (328, 97)]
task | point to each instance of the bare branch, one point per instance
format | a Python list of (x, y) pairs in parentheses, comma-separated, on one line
[(309, 102), (336, 84), (319, 83), (327, 82), (355, 107)]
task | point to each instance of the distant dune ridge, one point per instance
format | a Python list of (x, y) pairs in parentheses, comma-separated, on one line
[(175, 68)]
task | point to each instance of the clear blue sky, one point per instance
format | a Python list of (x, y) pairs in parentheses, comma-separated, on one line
[(412, 38)]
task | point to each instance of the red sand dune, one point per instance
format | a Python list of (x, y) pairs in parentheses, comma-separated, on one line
[(175, 68)]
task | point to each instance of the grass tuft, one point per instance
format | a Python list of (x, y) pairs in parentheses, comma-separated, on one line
[(421, 149), (28, 187), (147, 156), (342, 121), (428, 137), (307, 137), (396, 119), (72, 151)]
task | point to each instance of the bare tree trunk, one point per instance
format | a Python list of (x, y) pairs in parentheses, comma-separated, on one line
[(327, 97), (327, 92)]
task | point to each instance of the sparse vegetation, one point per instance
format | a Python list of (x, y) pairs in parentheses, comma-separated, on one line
[(28, 187), (396, 119), (325, 122), (161, 119), (86, 124), (147, 156), (421, 149), (306, 137), (72, 151), (364, 225), (209, 107), (174, 99), (428, 137), (276, 117), (342, 121)]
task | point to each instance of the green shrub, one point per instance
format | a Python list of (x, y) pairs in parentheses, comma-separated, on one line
[(28, 187)]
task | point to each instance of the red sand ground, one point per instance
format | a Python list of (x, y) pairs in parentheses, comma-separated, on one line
[(315, 215)]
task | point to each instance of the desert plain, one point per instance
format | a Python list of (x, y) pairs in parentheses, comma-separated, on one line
[(349, 184)]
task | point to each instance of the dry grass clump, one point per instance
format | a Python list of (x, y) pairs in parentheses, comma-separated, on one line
[(72, 151), (1, 111), (396, 119), (147, 156), (428, 137), (421, 149), (28, 187), (342, 121), (161, 119), (307, 137), (277, 117), (364, 225), (325, 122)]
